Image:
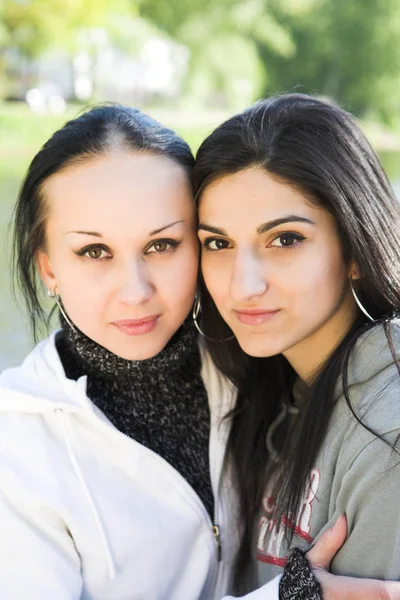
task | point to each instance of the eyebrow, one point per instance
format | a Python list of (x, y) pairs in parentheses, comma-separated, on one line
[(211, 229), (154, 232), (261, 228), (94, 233), (276, 222)]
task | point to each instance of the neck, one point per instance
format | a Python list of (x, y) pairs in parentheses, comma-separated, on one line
[(97, 360), (309, 356)]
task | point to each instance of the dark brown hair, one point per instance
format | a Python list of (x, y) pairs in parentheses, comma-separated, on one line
[(316, 147)]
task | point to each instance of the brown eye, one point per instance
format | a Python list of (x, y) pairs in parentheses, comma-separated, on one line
[(215, 244), (287, 240), (160, 246), (94, 252)]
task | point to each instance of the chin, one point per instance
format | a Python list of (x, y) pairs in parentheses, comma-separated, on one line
[(258, 348)]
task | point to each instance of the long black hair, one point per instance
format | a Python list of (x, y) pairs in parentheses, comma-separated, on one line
[(95, 132), (316, 147)]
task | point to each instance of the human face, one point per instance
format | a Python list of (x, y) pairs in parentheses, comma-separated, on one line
[(121, 249), (273, 264)]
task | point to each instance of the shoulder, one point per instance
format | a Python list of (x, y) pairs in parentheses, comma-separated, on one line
[(32, 395), (372, 408), (42, 363), (374, 375), (375, 351)]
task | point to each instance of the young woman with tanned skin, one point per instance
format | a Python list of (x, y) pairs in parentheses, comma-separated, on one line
[(300, 235), (111, 477)]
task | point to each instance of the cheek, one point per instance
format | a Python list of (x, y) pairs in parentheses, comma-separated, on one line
[(216, 277), (86, 283), (319, 282), (176, 280), (82, 288)]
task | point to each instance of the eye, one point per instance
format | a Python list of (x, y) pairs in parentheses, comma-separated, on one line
[(94, 252), (215, 244), (287, 240), (161, 246)]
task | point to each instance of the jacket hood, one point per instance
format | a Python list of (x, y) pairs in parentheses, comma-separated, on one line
[(374, 352), (39, 384)]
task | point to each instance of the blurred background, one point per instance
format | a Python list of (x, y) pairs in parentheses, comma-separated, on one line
[(191, 65)]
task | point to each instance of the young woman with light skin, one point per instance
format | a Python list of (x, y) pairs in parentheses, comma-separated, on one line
[(106, 489), (300, 235), (124, 255)]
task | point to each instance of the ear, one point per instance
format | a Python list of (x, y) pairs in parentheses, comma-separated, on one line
[(45, 271), (353, 271)]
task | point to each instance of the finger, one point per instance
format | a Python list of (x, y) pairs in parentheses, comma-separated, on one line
[(369, 589), (321, 555), (389, 590), (336, 587)]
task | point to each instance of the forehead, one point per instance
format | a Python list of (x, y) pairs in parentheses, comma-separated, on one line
[(253, 192), (118, 189)]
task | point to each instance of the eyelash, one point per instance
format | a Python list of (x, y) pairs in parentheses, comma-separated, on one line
[(297, 237), (208, 241), (84, 251), (291, 234), (173, 244)]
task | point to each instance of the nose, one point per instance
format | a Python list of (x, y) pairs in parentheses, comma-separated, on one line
[(248, 277), (136, 286)]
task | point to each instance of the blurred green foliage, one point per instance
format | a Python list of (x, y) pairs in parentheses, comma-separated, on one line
[(35, 25), (348, 50), (345, 49), (239, 49)]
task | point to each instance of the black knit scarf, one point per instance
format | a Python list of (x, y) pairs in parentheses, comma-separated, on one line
[(160, 402)]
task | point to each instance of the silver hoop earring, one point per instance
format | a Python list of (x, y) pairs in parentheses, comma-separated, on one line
[(195, 313), (360, 306), (53, 294)]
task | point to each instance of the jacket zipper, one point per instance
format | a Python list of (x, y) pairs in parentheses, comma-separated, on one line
[(216, 533), (214, 527)]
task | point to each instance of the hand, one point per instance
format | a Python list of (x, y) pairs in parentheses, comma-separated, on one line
[(336, 587)]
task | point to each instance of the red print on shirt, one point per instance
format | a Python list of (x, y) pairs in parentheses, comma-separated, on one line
[(269, 541)]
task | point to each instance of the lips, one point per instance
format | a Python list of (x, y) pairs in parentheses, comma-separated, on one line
[(137, 326), (255, 316)]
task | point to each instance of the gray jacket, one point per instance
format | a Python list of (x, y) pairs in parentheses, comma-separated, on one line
[(355, 473)]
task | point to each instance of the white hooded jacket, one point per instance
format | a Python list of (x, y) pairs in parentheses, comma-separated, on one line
[(87, 513)]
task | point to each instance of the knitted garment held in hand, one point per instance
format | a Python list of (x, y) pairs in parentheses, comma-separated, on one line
[(160, 402), (298, 581)]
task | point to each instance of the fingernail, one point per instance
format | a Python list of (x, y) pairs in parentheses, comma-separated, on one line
[(339, 520)]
